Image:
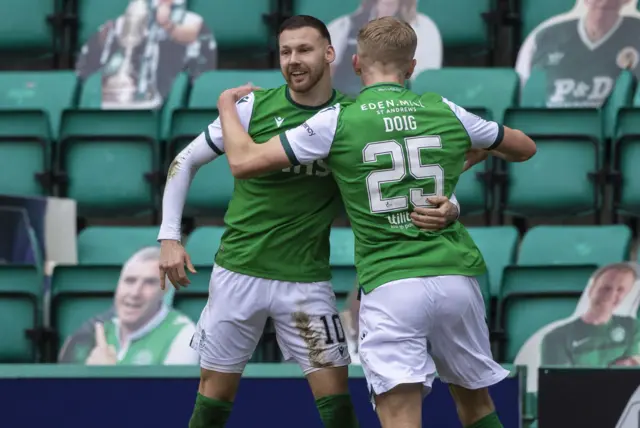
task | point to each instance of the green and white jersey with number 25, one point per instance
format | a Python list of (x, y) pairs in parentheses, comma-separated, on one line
[(389, 151)]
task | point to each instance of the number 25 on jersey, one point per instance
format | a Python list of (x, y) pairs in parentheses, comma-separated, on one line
[(413, 147)]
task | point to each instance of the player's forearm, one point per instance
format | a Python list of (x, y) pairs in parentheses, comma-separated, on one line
[(181, 173)]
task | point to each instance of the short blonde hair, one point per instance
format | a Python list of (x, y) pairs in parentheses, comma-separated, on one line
[(389, 42)]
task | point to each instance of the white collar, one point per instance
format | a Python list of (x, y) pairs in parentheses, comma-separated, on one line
[(582, 32)]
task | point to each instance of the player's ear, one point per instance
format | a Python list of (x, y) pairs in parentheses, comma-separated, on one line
[(411, 69), (330, 54), (355, 61)]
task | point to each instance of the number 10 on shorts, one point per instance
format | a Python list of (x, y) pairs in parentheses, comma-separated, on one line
[(338, 331)]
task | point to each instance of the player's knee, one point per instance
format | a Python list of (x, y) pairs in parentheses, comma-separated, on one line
[(218, 385), (401, 407), (329, 381), (472, 404)]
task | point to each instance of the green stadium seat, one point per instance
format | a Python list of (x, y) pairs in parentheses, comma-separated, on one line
[(113, 245), (459, 28), (564, 137), (25, 153), (177, 99), (110, 160), (575, 245), (236, 24), (325, 11), (212, 187), (342, 261), (91, 92), (621, 96), (49, 91), (209, 85), (20, 296), (534, 91), (79, 293), (495, 89), (93, 13), (498, 246), (202, 244), (34, 32), (546, 279), (626, 156), (523, 314)]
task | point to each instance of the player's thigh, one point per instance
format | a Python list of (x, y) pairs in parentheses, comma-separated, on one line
[(308, 326), (232, 321), (394, 324), (459, 341), (401, 406)]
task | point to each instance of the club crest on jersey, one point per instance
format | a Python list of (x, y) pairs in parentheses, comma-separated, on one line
[(400, 220), (628, 58)]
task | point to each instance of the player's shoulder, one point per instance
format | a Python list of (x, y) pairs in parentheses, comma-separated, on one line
[(278, 94)]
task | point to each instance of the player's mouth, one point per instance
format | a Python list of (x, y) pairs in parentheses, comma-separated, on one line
[(132, 306), (298, 75)]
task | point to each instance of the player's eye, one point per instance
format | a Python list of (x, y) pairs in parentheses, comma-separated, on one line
[(284, 52)]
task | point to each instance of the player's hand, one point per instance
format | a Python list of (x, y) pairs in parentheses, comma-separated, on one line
[(233, 95), (173, 259), (473, 157), (102, 354), (444, 213)]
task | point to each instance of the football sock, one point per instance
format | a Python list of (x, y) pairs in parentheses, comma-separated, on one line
[(210, 413), (336, 411), (489, 421)]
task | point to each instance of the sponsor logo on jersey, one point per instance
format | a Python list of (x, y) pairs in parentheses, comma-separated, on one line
[(400, 220), (628, 58), (574, 93), (279, 121), (310, 131), (577, 343)]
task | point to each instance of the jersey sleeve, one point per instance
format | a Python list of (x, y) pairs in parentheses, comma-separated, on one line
[(484, 134), (213, 133), (180, 353), (312, 140)]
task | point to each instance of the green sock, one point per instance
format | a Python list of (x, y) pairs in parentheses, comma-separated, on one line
[(336, 411), (489, 421), (210, 413)]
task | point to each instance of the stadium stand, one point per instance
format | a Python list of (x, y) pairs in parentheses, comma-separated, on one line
[(56, 140)]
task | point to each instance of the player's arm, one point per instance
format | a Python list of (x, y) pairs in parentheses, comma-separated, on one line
[(508, 144), (302, 145), (205, 148)]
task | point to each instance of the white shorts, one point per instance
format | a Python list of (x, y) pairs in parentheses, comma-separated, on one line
[(307, 324), (412, 327)]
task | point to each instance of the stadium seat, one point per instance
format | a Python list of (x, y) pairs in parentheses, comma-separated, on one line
[(79, 293), (34, 32), (25, 153), (523, 314), (236, 24), (575, 245), (49, 91), (626, 157), (212, 187), (460, 23), (110, 160), (343, 270), (177, 99), (20, 303), (202, 244), (209, 85), (113, 245), (495, 89), (498, 246), (620, 97), (534, 91), (562, 178), (93, 13)]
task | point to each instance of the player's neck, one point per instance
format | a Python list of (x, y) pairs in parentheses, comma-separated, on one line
[(319, 95), (598, 23), (375, 77), (596, 318)]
